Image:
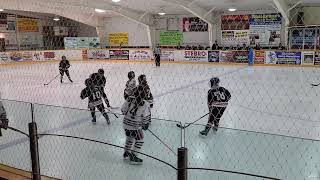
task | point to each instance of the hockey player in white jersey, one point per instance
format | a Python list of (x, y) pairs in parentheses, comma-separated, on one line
[(143, 91), (130, 85), (134, 122)]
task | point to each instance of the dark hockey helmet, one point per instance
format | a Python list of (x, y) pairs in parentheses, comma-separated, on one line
[(63, 57), (88, 82), (142, 79), (214, 81), (101, 71), (131, 75)]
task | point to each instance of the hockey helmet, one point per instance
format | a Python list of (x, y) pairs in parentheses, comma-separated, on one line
[(214, 81), (88, 82), (63, 57), (131, 75), (101, 71), (142, 79)]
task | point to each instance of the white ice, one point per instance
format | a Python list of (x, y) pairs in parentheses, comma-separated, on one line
[(270, 100)]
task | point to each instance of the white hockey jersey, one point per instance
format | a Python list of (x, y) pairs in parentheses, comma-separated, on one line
[(135, 116)]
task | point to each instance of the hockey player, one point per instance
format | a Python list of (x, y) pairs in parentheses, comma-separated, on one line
[(3, 118), (94, 95), (218, 98), (130, 85), (64, 66), (134, 121), (143, 91), (99, 80)]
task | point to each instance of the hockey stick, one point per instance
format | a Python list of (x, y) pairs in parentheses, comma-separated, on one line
[(51, 80), (315, 84), (162, 142), (183, 127), (112, 112)]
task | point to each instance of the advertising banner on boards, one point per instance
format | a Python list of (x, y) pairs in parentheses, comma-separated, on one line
[(140, 54), (167, 55), (119, 54), (308, 58), (274, 57), (98, 54), (196, 55)]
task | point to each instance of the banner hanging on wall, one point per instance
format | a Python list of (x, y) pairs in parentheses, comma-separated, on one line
[(119, 54), (194, 24), (235, 22), (27, 25), (296, 39), (140, 55), (273, 57), (82, 42), (70, 42), (119, 38), (94, 42), (265, 29), (171, 38), (196, 55), (236, 37)]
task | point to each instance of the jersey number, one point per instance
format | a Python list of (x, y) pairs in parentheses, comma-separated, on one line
[(219, 95), (96, 95)]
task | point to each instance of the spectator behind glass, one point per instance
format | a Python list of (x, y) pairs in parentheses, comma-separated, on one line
[(281, 47), (194, 47), (215, 46), (244, 46), (200, 47), (257, 47)]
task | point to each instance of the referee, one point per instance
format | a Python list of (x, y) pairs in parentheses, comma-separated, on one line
[(157, 54)]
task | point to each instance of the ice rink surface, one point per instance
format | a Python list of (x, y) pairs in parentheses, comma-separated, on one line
[(265, 101)]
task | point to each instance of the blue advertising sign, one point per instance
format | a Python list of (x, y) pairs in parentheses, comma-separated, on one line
[(273, 57), (265, 19)]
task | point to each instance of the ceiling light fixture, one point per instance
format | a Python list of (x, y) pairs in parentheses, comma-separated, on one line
[(232, 9), (56, 18), (100, 10), (1, 10), (161, 13), (116, 0)]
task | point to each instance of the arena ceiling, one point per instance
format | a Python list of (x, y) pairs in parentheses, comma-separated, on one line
[(142, 10)]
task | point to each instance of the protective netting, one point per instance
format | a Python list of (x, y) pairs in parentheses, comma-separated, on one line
[(99, 110)]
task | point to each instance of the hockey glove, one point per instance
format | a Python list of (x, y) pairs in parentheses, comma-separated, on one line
[(151, 105), (145, 126), (4, 123)]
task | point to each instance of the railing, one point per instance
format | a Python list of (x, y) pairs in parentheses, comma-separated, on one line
[(71, 147)]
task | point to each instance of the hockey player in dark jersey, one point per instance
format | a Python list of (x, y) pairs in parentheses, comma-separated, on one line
[(99, 80), (218, 98), (135, 120), (130, 85), (64, 66), (3, 118), (94, 95), (143, 91)]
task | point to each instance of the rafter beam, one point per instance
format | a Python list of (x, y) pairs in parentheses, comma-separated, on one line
[(193, 8), (125, 12), (283, 8)]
